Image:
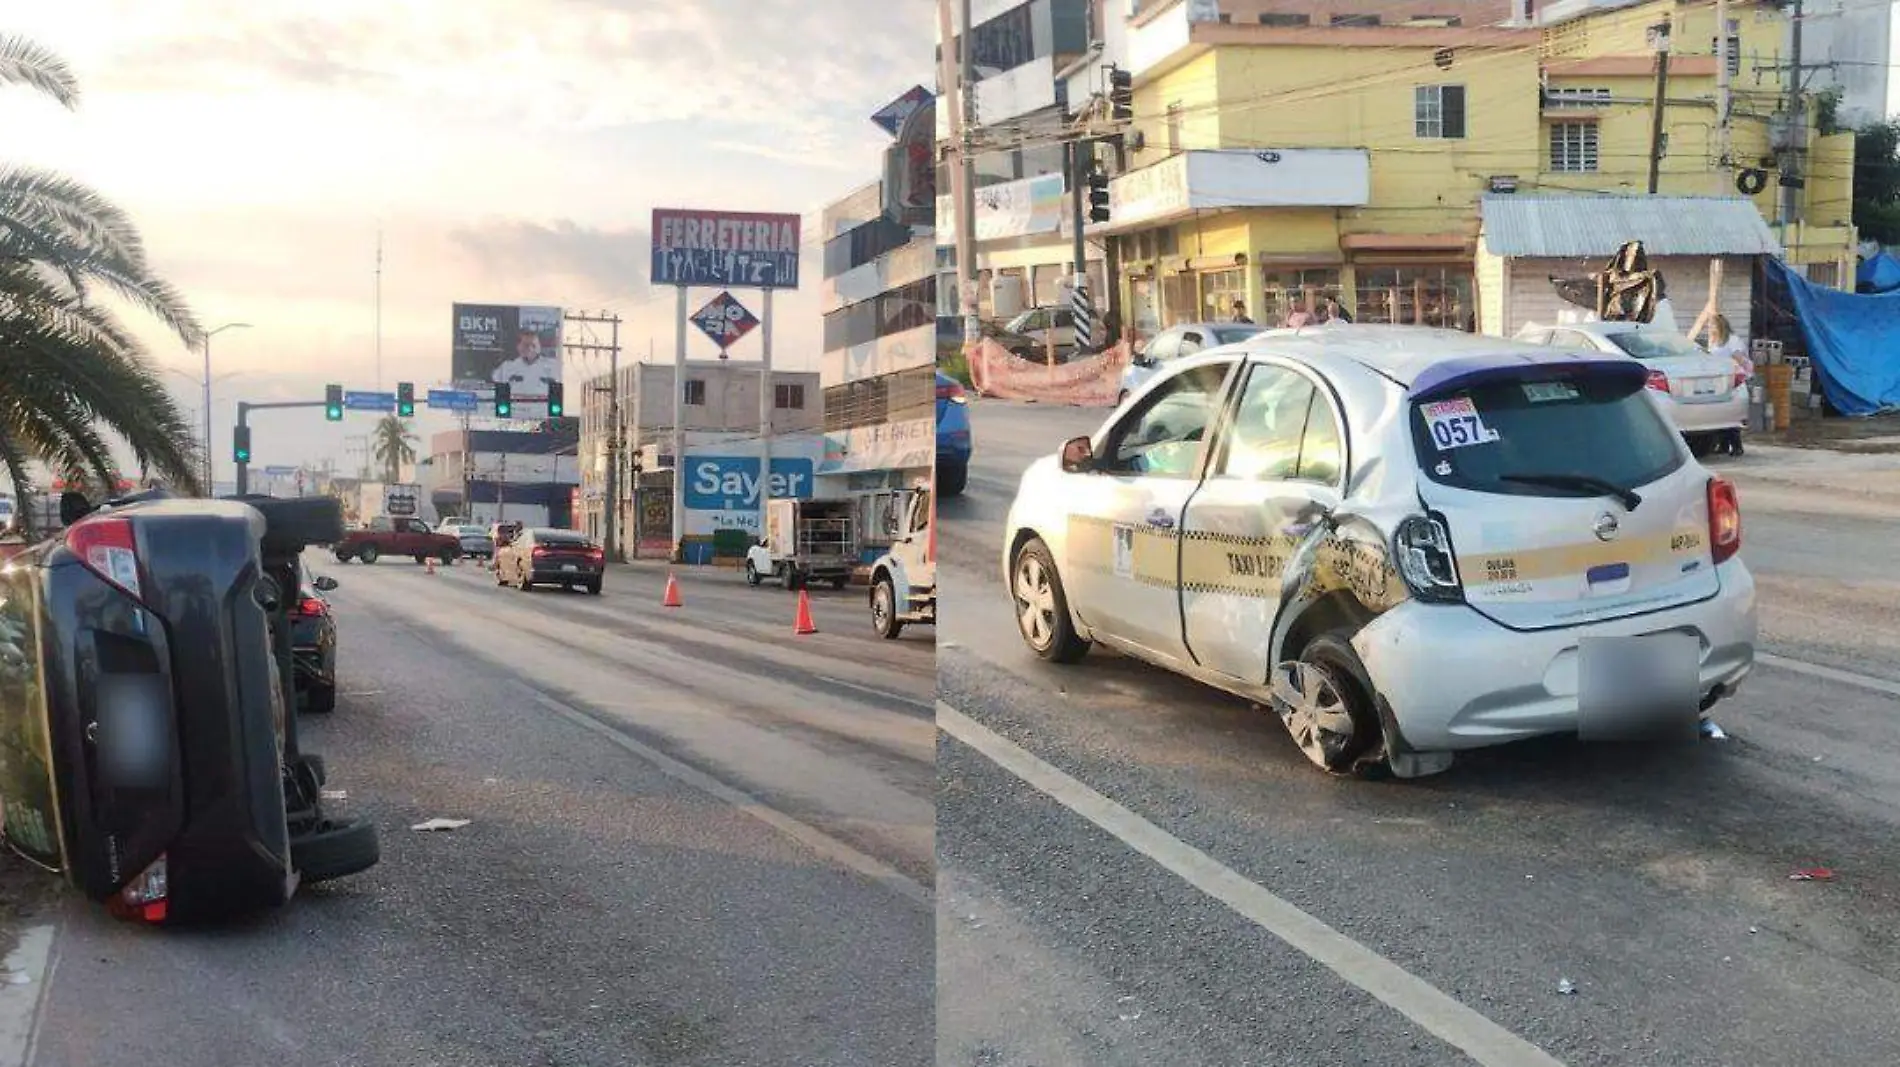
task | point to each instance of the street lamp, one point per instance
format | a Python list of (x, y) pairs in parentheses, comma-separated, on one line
[(207, 386)]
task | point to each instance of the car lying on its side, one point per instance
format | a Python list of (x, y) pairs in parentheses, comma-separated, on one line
[(1406, 542)]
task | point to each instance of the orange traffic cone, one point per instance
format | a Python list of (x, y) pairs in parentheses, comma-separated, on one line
[(429, 564), (672, 593), (803, 624)]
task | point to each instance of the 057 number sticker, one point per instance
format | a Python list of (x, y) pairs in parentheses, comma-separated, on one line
[(1455, 424)]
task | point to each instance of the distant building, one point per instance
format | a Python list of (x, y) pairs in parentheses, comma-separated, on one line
[(488, 476), (719, 397)]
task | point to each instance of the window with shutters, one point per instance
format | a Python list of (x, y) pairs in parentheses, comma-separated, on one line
[(1573, 147), (1438, 112)]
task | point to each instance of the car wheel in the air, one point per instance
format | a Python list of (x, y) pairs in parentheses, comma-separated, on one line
[(884, 609), (1327, 702), (1042, 607)]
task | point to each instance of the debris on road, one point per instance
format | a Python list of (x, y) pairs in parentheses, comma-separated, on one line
[(1812, 874), (440, 824), (1566, 987), (15, 978), (334, 794), (1712, 732)]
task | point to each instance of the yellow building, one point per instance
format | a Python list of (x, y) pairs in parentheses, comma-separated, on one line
[(1274, 164)]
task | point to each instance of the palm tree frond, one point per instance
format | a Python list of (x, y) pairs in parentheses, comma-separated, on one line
[(24, 63)]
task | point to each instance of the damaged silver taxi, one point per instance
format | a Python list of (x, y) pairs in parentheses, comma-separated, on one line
[(1404, 541)]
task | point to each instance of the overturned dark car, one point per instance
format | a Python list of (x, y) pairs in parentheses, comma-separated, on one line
[(148, 752)]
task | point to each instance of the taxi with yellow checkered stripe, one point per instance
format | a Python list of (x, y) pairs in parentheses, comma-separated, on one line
[(1404, 541)]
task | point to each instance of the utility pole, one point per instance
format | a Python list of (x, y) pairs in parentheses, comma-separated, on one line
[(959, 72), (379, 307), (767, 396), (679, 428), (1796, 129), (611, 504), (1081, 158), (1659, 40), (1725, 144)]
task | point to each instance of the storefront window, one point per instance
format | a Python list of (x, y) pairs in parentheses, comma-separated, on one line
[(1220, 290), (1284, 291), (1426, 295), (1177, 299), (1049, 287)]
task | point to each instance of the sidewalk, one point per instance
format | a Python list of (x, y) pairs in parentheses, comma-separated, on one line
[(1879, 434), (1870, 475)]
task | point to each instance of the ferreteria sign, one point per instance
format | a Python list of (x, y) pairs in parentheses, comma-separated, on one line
[(735, 249)]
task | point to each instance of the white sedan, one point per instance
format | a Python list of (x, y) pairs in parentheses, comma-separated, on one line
[(1702, 394)]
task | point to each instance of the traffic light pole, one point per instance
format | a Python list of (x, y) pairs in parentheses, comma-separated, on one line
[(244, 410), (1080, 152)]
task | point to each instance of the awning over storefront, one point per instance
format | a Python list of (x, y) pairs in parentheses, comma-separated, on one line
[(1564, 227), (1226, 178)]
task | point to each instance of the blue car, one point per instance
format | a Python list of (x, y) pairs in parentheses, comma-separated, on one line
[(953, 435)]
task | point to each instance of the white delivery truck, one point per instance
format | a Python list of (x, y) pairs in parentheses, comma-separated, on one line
[(904, 579), (805, 541)]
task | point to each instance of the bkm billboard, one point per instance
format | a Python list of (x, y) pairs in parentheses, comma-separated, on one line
[(724, 249), (507, 343)]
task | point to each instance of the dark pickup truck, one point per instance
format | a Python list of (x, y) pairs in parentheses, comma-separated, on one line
[(397, 537)]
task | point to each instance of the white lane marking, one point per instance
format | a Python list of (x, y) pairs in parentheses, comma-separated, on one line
[(881, 694), (1418, 1000), (1832, 674), (811, 837), (20, 1003)]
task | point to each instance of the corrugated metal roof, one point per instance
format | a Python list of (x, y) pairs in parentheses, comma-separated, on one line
[(1598, 225)]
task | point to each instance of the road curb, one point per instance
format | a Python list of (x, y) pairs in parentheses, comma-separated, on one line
[(30, 958)]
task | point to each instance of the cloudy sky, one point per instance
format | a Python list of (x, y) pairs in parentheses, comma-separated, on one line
[(510, 151)]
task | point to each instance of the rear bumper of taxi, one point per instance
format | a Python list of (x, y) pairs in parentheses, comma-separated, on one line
[(1456, 680)]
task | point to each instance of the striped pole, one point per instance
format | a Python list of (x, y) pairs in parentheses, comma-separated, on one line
[(1083, 312)]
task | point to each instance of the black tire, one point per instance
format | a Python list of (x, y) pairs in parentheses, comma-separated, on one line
[(839, 583), (447, 559), (884, 609), (343, 557), (421, 559), (320, 699), (1061, 644), (752, 575), (593, 587), (1333, 655), (952, 478), (369, 554), (1701, 444), (337, 848)]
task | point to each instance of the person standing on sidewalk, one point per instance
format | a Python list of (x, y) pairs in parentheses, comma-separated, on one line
[(1723, 342)]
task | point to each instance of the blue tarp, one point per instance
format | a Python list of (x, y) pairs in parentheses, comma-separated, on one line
[(1854, 340), (1880, 273)]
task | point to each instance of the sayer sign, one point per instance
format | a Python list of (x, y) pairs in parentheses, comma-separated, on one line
[(731, 483)]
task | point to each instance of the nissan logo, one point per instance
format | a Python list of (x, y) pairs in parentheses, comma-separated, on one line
[(1606, 527)]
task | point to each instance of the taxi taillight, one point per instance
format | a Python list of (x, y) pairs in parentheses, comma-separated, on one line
[(108, 548), (1725, 519), (146, 898)]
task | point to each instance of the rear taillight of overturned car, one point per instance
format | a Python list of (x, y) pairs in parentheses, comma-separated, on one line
[(1725, 520), (108, 547), (146, 898), (1426, 560)]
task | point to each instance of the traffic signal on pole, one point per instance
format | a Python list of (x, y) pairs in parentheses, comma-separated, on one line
[(1121, 94), (504, 400), (556, 403), (333, 403), (406, 399), (1098, 196), (241, 444)]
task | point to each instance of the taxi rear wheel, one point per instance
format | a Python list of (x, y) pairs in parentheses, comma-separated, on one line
[(1042, 607), (1326, 701)]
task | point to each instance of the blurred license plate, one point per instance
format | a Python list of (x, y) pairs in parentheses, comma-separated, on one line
[(1638, 688), (569, 567), (1703, 386)]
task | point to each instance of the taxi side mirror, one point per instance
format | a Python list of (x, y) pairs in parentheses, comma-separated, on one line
[(1078, 455)]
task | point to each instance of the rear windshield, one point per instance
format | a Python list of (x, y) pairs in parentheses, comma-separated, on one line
[(1590, 426), (1655, 345), (559, 537), (1227, 335)]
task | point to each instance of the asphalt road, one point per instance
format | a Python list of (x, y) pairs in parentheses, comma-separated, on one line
[(694, 839), (1134, 868)]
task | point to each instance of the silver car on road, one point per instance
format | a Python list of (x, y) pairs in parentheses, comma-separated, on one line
[(1177, 342), (1404, 541)]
